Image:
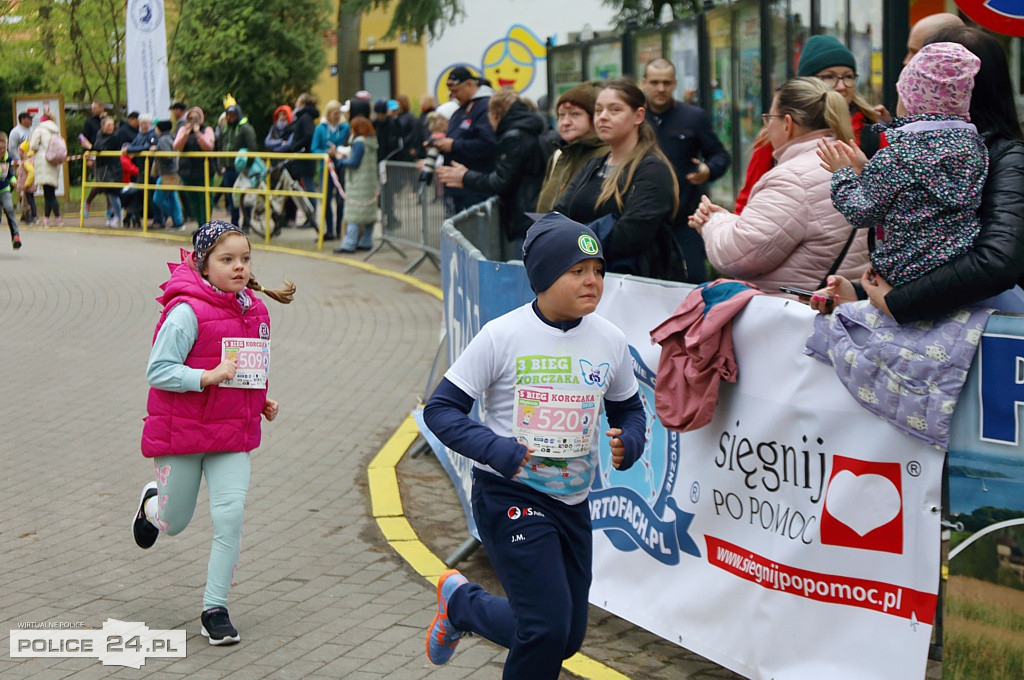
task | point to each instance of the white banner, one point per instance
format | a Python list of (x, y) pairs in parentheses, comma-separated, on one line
[(795, 536), (146, 58)]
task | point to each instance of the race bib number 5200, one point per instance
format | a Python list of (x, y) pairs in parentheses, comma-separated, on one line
[(253, 356), (556, 423)]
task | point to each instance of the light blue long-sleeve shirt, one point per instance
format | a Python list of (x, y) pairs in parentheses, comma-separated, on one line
[(166, 369)]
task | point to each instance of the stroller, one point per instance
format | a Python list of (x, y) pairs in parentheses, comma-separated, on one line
[(253, 174)]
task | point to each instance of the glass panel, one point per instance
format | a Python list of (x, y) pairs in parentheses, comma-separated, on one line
[(567, 69), (833, 18), (799, 30), (720, 39), (648, 48), (748, 43), (866, 45), (683, 53), (604, 60), (779, 12)]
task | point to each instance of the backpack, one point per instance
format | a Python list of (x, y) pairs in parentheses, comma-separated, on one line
[(56, 149)]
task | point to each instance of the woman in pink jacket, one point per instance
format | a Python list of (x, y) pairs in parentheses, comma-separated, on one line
[(789, 233), (194, 135)]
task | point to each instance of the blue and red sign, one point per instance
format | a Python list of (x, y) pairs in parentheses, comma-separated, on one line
[(1002, 16)]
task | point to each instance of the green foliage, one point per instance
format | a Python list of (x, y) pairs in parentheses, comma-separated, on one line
[(421, 17), (647, 13), (76, 47), (264, 54), (983, 517)]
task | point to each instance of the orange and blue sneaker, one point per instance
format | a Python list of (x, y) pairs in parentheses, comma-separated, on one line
[(442, 636)]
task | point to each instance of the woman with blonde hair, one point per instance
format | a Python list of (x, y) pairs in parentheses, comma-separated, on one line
[(629, 195), (328, 137), (825, 58), (789, 234)]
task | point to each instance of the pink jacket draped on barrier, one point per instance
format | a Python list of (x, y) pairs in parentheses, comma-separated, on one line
[(697, 353)]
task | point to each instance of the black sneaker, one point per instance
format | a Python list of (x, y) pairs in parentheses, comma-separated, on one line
[(217, 627), (143, 530)]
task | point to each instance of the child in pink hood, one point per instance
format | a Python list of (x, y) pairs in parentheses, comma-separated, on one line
[(921, 193), (207, 395)]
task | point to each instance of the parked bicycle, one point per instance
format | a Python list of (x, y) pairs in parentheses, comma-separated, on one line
[(253, 174)]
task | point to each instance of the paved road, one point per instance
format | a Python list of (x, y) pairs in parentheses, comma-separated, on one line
[(318, 592)]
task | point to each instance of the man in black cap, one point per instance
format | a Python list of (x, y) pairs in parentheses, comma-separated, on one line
[(177, 114), (237, 134), (470, 139), (129, 128)]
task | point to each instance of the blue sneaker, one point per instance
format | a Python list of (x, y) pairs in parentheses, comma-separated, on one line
[(442, 636)]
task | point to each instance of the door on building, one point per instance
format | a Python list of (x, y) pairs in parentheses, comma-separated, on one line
[(378, 69)]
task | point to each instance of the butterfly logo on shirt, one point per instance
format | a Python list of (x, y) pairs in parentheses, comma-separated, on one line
[(594, 375)]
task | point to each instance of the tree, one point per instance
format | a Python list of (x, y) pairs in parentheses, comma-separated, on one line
[(263, 53), (647, 13), (418, 18), (75, 47)]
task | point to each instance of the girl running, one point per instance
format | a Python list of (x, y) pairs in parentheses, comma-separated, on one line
[(205, 404)]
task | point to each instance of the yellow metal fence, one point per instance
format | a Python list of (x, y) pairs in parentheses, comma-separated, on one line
[(207, 188)]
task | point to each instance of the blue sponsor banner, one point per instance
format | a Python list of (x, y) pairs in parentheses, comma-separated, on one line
[(464, 274), (986, 507)]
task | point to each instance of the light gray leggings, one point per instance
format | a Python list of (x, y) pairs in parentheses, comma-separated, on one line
[(227, 478)]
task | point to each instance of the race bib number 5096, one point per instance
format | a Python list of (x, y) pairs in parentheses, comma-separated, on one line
[(253, 356)]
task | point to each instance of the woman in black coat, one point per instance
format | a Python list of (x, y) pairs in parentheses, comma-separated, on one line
[(995, 263), (108, 168), (630, 195), (518, 172)]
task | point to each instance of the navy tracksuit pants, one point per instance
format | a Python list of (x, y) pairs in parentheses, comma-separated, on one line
[(541, 550)]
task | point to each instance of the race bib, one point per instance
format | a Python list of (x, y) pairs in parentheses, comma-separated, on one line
[(253, 356), (557, 423)]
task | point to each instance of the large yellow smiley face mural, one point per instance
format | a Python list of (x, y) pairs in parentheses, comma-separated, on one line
[(512, 60)]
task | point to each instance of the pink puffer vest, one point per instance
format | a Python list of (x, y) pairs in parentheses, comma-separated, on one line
[(217, 419)]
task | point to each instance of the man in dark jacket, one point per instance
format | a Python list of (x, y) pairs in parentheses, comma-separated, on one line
[(307, 117), (405, 131), (470, 139), (237, 134), (384, 128), (518, 171), (129, 128), (697, 155), (90, 129)]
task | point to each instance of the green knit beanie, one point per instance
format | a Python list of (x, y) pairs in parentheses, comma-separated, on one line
[(821, 52)]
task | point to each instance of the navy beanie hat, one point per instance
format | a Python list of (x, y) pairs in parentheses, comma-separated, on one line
[(822, 51), (554, 244)]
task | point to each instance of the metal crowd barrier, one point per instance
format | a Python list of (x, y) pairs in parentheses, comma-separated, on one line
[(147, 187), (412, 212), (480, 225)]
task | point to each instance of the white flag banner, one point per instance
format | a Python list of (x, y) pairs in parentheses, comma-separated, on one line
[(146, 57), (796, 536)]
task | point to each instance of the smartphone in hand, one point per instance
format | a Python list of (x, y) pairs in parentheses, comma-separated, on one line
[(799, 292)]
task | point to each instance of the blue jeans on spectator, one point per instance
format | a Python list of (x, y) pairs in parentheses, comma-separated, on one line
[(167, 201), (114, 201)]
